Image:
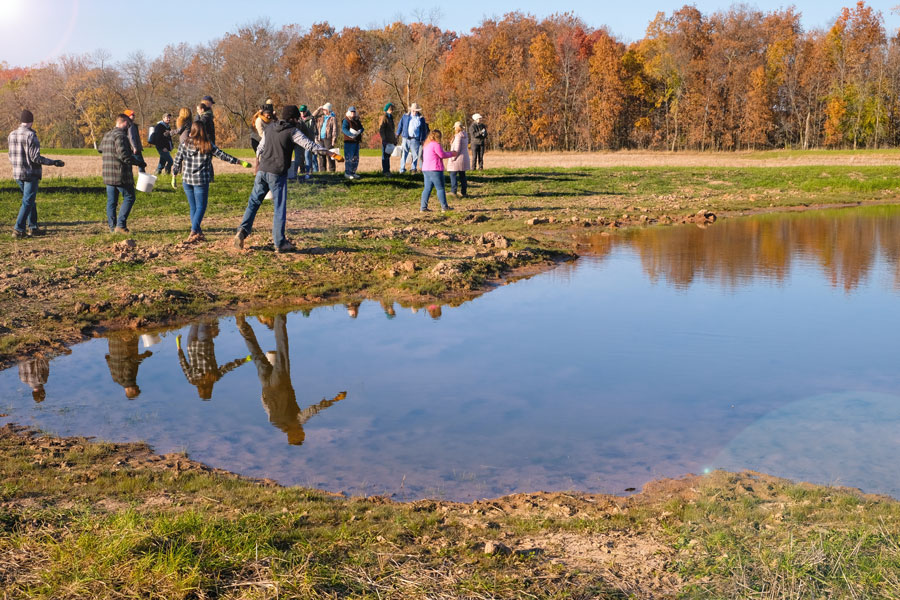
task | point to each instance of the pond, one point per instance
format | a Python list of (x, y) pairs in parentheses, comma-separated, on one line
[(767, 343)]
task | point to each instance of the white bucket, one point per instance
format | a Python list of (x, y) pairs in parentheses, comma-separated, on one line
[(146, 182), (389, 149), (397, 152), (150, 339)]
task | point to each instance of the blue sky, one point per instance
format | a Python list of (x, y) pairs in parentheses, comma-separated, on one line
[(32, 31)]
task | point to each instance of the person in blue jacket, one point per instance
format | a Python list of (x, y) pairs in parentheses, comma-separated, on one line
[(413, 130)]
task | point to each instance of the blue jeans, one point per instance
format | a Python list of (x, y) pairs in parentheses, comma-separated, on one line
[(165, 161), (112, 202), (461, 177), (434, 179), (413, 148), (295, 163), (28, 212), (198, 196), (351, 157), (261, 185), (312, 162)]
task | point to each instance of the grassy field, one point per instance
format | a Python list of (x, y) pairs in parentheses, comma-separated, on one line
[(81, 519), (360, 239)]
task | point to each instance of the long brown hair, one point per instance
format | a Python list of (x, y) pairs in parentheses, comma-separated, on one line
[(184, 116), (435, 136), (199, 139)]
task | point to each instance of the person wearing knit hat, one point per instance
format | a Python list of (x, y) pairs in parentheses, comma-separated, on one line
[(25, 157), (326, 134), (273, 161), (477, 136), (388, 137), (352, 129)]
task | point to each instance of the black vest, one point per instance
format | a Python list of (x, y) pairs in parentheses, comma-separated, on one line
[(278, 149)]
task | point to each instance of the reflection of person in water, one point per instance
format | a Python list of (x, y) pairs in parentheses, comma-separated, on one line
[(123, 360), (388, 308), (203, 370), (353, 309), (434, 310), (274, 370), (34, 374)]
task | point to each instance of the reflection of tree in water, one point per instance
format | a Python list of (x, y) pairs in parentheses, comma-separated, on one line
[(845, 245), (274, 370)]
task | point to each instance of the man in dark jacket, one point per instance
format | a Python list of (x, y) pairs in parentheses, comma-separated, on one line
[(134, 138), (388, 137), (308, 128), (162, 139), (477, 136), (274, 159), (117, 175)]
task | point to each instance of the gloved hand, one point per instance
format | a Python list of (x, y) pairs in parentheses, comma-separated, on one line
[(173, 182), (58, 163), (245, 164), (178, 341)]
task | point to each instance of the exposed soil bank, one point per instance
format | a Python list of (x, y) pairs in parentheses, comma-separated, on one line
[(84, 519)]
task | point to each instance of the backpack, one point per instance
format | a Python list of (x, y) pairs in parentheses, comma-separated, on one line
[(151, 135)]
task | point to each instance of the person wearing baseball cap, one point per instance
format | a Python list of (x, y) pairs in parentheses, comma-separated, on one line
[(274, 159), (352, 129), (26, 159)]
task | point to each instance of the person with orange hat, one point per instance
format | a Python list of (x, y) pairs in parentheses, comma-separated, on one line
[(134, 138)]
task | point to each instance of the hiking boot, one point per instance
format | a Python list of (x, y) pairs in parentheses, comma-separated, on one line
[(35, 232), (285, 246), (446, 208), (194, 237), (426, 209), (239, 238), (18, 234), (121, 230)]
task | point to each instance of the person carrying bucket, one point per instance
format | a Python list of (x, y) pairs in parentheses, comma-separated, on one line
[(194, 159), (117, 174)]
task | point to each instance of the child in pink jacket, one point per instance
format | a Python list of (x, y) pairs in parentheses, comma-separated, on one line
[(433, 169)]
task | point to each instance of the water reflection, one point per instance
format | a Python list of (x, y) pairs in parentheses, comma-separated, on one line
[(845, 245), (34, 373), (123, 360), (200, 366), (274, 370), (591, 377)]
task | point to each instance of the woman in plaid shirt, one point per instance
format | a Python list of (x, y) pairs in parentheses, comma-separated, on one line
[(194, 160)]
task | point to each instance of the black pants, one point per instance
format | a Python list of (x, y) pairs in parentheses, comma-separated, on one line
[(385, 161), (478, 156), (460, 177), (326, 163)]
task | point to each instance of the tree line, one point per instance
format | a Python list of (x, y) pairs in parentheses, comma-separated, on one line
[(735, 79)]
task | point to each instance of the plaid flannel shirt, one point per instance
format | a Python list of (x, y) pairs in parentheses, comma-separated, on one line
[(197, 167), (25, 154), (117, 158)]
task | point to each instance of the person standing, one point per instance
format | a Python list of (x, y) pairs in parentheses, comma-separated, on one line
[(478, 136), (352, 129), (117, 175), (433, 170), (327, 126), (414, 131), (461, 163), (162, 139), (274, 159), (261, 120), (183, 124), (25, 157), (134, 138), (196, 154), (205, 115), (308, 128), (388, 137)]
